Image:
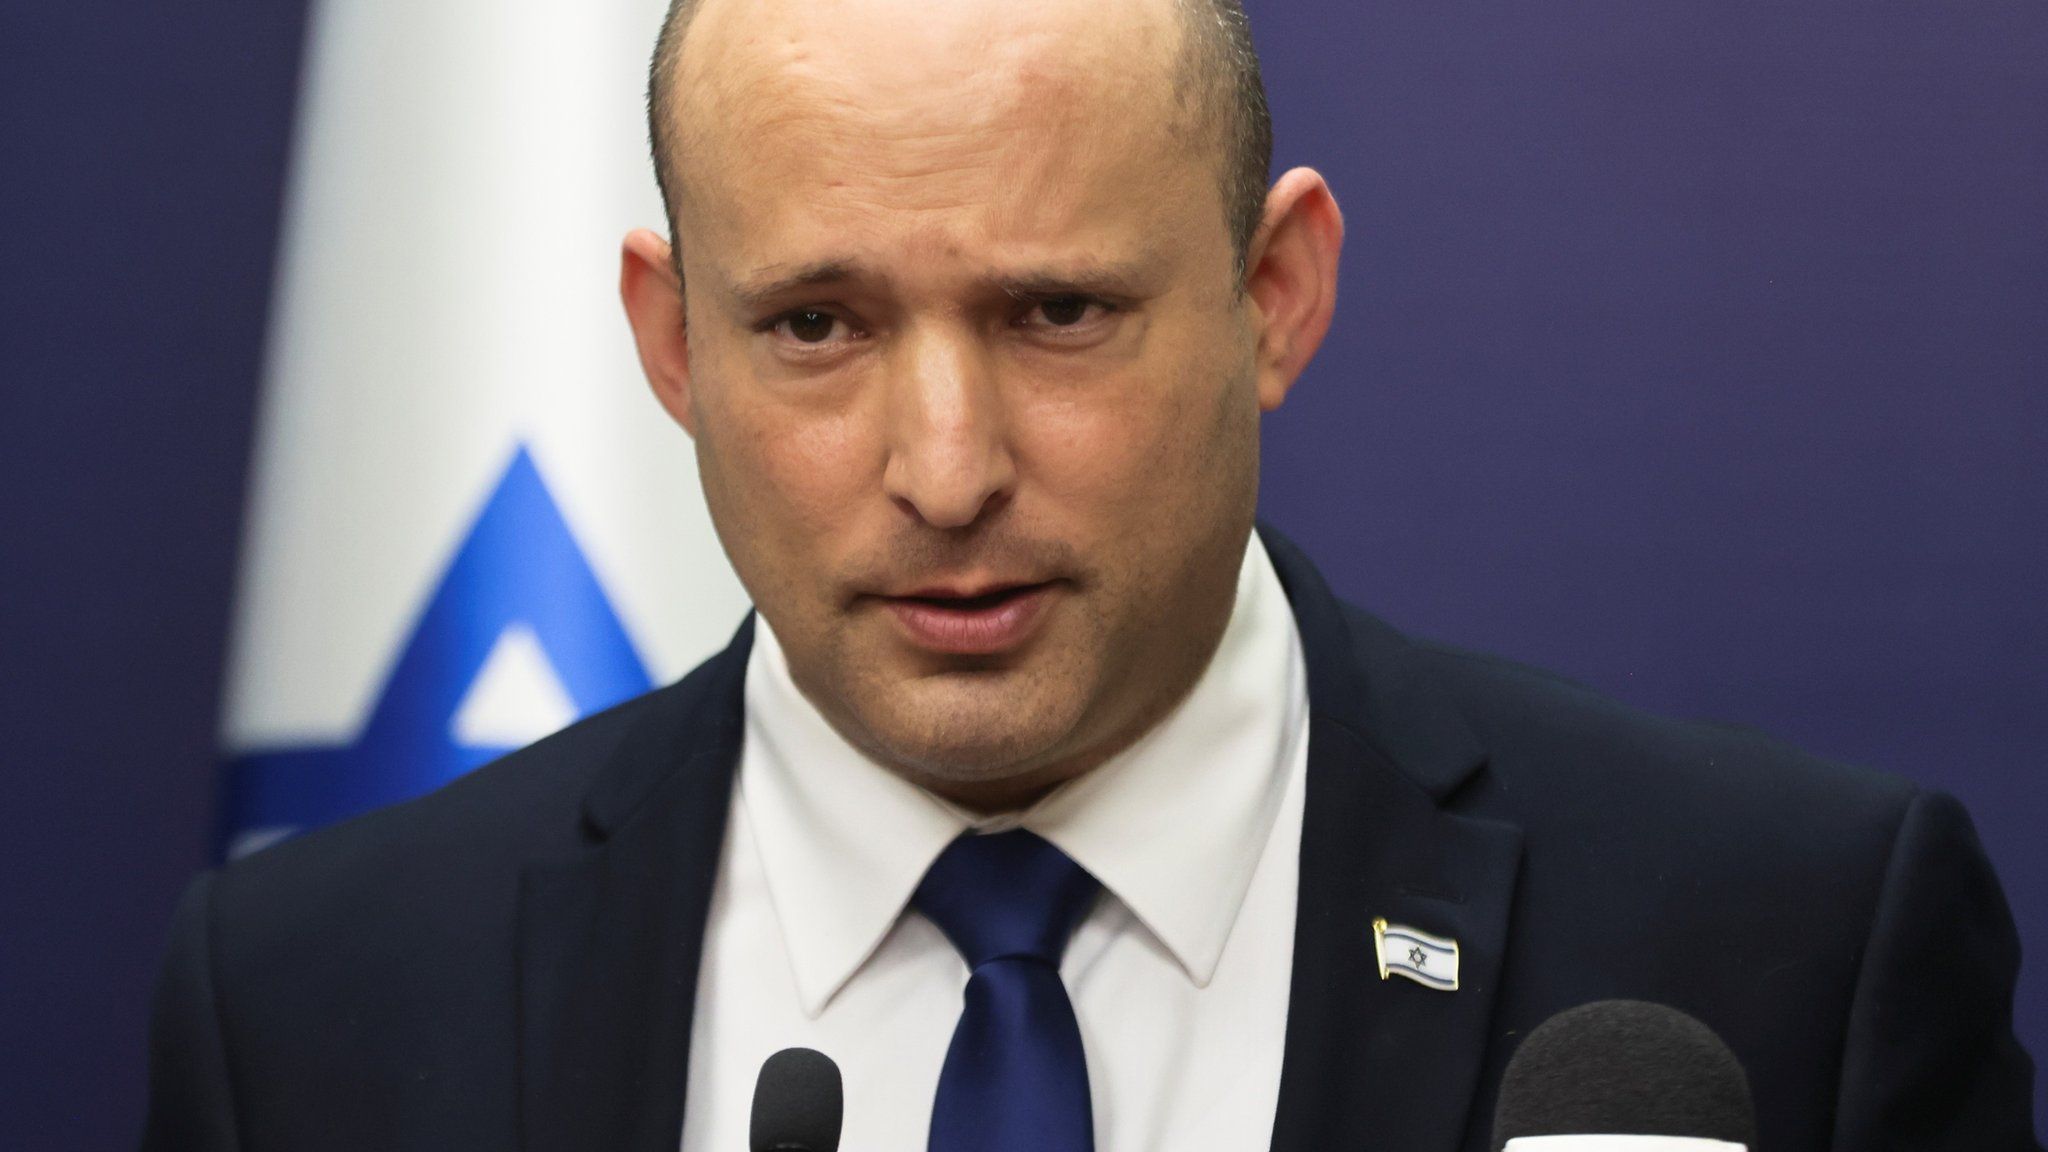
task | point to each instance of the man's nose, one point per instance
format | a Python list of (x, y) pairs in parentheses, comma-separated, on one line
[(948, 435)]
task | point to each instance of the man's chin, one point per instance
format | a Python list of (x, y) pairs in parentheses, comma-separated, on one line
[(975, 732)]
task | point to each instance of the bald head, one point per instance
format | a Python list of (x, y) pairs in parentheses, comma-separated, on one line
[(1197, 78)]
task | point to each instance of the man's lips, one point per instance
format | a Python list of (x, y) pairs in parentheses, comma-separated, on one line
[(970, 621)]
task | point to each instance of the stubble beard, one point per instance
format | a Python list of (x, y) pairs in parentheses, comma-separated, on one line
[(997, 738)]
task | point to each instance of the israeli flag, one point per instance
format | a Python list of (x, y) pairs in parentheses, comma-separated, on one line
[(1431, 961), (469, 523)]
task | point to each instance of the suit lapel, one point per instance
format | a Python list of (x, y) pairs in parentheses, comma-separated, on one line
[(1385, 1062), (609, 939)]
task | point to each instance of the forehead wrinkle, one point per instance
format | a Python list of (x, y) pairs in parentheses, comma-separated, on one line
[(1034, 277)]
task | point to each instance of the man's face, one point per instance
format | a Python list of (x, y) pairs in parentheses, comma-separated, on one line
[(971, 380)]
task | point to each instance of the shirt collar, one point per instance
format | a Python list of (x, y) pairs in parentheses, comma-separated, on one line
[(1173, 826)]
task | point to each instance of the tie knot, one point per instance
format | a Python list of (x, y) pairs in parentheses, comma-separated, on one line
[(1007, 895)]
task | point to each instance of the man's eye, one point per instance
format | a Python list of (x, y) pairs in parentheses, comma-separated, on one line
[(808, 326), (1063, 313)]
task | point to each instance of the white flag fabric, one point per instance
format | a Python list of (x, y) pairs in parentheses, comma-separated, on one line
[(469, 522)]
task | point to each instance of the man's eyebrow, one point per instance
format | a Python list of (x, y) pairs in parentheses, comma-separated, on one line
[(1115, 278), (776, 282)]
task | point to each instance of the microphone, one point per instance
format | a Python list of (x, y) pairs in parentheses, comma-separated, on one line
[(797, 1103), (1623, 1076)]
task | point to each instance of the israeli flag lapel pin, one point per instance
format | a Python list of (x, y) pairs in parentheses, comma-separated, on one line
[(1431, 961)]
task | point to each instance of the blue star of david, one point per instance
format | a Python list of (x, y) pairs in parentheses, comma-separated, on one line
[(519, 565)]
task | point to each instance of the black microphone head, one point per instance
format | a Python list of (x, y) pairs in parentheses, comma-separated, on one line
[(797, 1103), (1624, 1067)]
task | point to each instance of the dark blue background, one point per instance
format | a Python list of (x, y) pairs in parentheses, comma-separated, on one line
[(1696, 349)]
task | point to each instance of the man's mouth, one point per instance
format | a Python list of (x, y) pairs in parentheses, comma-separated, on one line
[(971, 622)]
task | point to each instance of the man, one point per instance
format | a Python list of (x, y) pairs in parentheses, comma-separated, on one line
[(1058, 805)]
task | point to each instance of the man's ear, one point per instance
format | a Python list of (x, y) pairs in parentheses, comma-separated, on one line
[(653, 295), (1291, 276)]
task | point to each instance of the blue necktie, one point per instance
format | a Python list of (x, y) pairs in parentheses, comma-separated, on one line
[(1015, 1078)]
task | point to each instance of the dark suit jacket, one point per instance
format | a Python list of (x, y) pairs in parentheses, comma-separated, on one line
[(512, 961)]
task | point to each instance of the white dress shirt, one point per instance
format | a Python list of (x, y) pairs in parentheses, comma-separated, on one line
[(1179, 975)]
